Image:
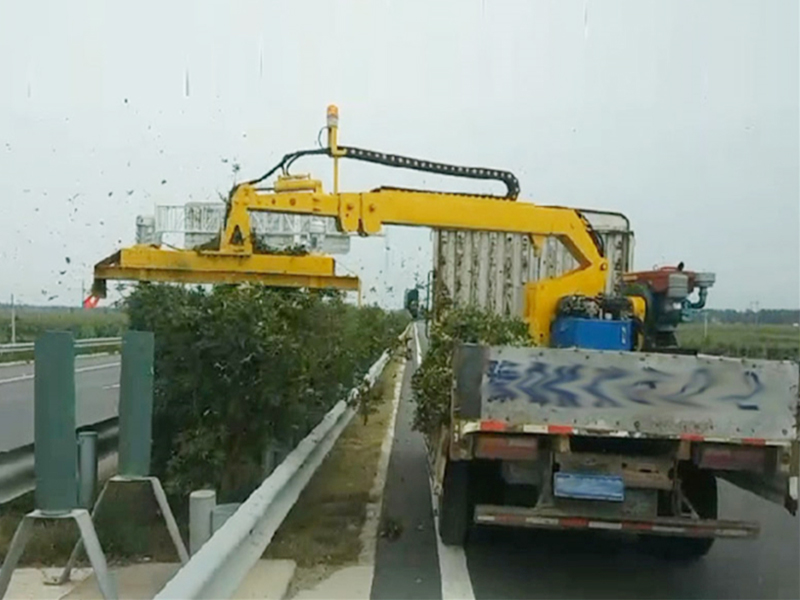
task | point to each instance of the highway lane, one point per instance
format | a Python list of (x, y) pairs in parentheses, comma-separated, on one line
[(543, 564), (406, 566), (15, 369), (512, 563), (96, 394)]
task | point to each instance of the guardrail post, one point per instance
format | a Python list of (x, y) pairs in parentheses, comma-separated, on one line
[(274, 454), (221, 513), (201, 506), (136, 404), (55, 458), (87, 467)]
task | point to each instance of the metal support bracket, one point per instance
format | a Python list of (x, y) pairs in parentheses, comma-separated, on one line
[(88, 537), (163, 505)]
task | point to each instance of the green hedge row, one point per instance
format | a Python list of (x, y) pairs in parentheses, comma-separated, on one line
[(433, 381), (241, 367)]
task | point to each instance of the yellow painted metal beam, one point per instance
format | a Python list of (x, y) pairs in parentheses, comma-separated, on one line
[(147, 263), (368, 212)]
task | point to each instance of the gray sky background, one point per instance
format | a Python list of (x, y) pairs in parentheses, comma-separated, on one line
[(681, 114)]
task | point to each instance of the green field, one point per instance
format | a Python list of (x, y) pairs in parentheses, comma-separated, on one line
[(83, 323), (742, 339)]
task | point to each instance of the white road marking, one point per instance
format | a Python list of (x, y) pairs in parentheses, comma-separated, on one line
[(98, 367), (18, 363), (456, 584), (80, 370), (15, 379), (369, 533), (111, 387)]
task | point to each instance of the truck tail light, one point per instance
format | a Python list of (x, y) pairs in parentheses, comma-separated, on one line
[(728, 457), (506, 447)]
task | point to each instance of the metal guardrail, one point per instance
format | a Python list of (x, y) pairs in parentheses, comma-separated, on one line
[(85, 343), (17, 474), (222, 563)]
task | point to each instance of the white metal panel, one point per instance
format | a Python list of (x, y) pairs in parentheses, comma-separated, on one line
[(490, 269), (617, 238), (146, 230), (485, 268), (200, 222)]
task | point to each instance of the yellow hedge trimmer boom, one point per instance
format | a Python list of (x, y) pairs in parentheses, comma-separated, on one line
[(237, 258)]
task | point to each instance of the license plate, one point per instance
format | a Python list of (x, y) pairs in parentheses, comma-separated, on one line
[(589, 487)]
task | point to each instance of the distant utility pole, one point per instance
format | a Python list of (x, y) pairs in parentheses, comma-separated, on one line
[(13, 321), (755, 307), (705, 325)]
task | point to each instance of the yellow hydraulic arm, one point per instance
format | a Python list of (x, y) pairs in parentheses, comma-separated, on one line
[(237, 258)]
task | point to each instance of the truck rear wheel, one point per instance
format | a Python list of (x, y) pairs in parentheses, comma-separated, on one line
[(700, 488), (455, 504)]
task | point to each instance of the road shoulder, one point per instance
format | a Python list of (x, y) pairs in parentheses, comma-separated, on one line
[(332, 527)]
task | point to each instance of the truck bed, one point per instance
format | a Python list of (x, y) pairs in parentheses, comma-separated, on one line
[(624, 394)]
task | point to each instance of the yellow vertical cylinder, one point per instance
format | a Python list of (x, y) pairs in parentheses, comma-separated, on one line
[(333, 129)]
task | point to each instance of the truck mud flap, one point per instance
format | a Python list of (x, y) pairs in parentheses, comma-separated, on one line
[(512, 516)]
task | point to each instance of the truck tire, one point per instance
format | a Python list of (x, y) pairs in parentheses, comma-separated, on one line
[(455, 504), (700, 487)]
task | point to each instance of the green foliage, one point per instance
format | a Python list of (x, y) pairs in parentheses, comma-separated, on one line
[(433, 381), (241, 367), (83, 323)]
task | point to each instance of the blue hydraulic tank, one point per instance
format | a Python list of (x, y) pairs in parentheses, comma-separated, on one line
[(595, 334)]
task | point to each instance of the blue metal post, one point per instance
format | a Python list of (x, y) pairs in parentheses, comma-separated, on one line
[(136, 404)]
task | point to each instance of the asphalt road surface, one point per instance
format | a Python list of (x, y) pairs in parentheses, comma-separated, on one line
[(512, 563), (96, 397)]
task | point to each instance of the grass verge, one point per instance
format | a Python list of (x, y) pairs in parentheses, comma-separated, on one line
[(322, 532)]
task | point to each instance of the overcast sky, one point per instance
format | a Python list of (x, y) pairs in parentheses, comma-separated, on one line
[(681, 114)]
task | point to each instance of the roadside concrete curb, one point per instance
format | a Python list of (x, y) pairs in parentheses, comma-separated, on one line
[(28, 583), (267, 580), (349, 583)]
